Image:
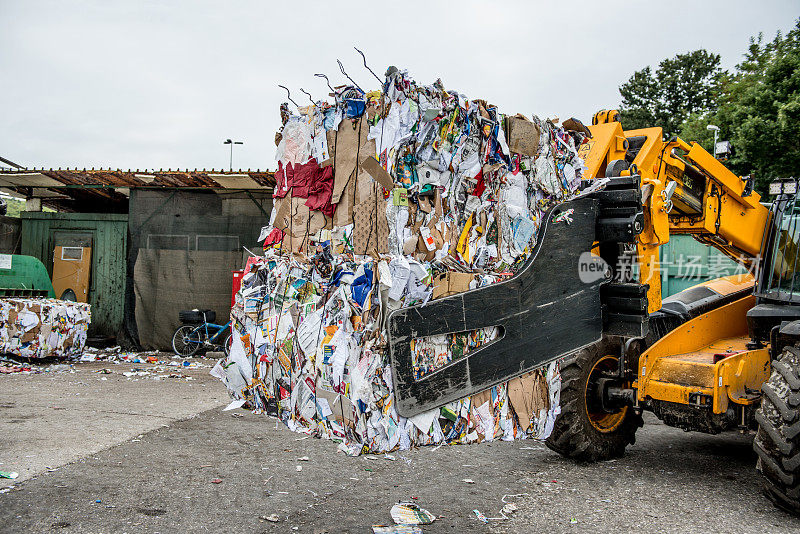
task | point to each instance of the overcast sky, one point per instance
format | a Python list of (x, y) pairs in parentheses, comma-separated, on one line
[(145, 84)]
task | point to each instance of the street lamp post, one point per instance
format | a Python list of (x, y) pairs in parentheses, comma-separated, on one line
[(716, 132), (229, 142)]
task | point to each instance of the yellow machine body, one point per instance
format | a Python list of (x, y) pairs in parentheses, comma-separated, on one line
[(705, 360), (709, 202)]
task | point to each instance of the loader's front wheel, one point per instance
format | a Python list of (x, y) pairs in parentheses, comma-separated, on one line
[(777, 442), (584, 430)]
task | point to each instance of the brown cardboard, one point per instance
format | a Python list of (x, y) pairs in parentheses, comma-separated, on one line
[(330, 135), (437, 235), (576, 126), (293, 244), (340, 405), (283, 207), (482, 109), (294, 312), (523, 136), (366, 236), (439, 210), (366, 187), (343, 213), (295, 218), (451, 283), (349, 141), (425, 204), (410, 245), (344, 411), (30, 335), (527, 395), (418, 217), (373, 167), (358, 188), (422, 250)]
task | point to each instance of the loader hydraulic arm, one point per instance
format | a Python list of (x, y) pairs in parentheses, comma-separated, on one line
[(685, 190)]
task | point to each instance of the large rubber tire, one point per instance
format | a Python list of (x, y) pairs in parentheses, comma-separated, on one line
[(182, 345), (574, 434), (777, 442)]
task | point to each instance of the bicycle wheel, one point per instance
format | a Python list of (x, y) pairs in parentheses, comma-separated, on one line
[(227, 345), (186, 340)]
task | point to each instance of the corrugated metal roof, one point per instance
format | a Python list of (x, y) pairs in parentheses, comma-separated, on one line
[(135, 178), (68, 188)]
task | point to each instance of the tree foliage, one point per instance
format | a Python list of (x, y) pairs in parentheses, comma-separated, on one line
[(681, 86), (756, 107), (759, 110)]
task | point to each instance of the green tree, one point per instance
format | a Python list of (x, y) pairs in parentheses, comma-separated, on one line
[(680, 87), (639, 100), (763, 114), (695, 128), (759, 111)]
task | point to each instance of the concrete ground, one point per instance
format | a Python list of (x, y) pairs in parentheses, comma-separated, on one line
[(161, 456), (50, 419)]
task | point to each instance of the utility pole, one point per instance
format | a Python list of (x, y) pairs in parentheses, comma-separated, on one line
[(716, 132), (229, 142)]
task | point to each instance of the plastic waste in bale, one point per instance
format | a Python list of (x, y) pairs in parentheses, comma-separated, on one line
[(361, 286), (355, 107)]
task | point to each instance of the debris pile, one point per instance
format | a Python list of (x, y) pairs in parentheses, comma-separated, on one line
[(387, 199), (118, 355), (42, 328)]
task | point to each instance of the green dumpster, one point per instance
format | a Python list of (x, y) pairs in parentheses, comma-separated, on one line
[(24, 276)]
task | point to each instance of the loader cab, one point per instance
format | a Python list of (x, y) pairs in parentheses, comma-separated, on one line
[(778, 280)]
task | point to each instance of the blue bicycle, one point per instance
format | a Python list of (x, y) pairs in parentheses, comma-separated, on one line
[(199, 330)]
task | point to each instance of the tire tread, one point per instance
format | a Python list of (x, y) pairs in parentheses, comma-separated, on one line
[(777, 442), (572, 434)]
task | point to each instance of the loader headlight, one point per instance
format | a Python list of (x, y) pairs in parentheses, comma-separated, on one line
[(786, 187)]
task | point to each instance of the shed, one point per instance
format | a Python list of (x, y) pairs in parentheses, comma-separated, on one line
[(162, 240), (107, 235)]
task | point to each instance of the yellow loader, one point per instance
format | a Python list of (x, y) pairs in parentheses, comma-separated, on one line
[(722, 355)]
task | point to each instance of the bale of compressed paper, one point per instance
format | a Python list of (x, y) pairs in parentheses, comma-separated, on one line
[(42, 328), (386, 200)]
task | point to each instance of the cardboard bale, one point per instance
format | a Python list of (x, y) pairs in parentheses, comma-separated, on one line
[(43, 328), (425, 207)]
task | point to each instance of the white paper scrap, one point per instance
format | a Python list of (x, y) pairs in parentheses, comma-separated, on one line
[(424, 420), (324, 407), (238, 403)]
